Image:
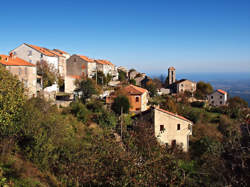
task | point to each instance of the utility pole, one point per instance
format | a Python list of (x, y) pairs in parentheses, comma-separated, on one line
[(121, 120)]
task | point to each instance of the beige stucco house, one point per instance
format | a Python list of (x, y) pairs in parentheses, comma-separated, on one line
[(172, 129), (107, 67), (183, 85), (25, 71), (217, 98)]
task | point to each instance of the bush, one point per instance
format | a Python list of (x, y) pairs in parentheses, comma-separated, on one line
[(198, 104), (105, 119), (80, 111)]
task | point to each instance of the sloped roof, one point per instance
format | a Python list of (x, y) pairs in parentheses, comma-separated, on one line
[(60, 51), (54, 52), (221, 91), (172, 114), (13, 61), (86, 58), (41, 50), (104, 62), (131, 89)]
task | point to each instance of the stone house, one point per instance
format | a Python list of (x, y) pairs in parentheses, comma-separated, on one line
[(172, 129), (132, 74), (183, 85), (79, 65), (34, 54), (217, 98), (25, 71), (107, 67)]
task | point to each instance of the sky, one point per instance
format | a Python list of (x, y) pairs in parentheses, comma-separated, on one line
[(148, 35)]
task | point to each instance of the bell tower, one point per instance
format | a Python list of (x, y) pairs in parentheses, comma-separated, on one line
[(171, 75)]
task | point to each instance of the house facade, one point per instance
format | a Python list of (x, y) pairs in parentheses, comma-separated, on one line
[(172, 129), (183, 85), (34, 54), (138, 98), (25, 71), (79, 65), (107, 67), (217, 98)]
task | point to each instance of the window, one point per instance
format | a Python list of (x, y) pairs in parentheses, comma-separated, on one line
[(181, 85), (137, 109), (41, 55), (20, 71), (136, 99), (161, 127), (30, 61), (212, 97), (14, 53), (26, 71), (30, 53), (212, 102), (221, 96), (173, 143), (178, 127), (221, 102)]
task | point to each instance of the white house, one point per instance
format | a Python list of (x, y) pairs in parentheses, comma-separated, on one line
[(172, 129), (217, 98), (34, 54), (107, 67)]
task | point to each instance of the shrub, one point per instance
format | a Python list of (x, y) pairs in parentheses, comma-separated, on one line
[(198, 104), (80, 111), (121, 104)]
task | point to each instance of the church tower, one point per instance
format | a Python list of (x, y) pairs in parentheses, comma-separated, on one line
[(171, 75)]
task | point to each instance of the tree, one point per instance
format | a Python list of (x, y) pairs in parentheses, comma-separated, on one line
[(203, 89), (121, 104), (132, 81), (12, 100), (235, 107), (87, 87), (157, 82), (151, 87), (48, 73), (122, 76)]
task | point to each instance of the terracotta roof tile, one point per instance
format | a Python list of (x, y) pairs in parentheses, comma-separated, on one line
[(172, 114), (41, 50), (104, 62), (222, 91), (60, 51), (86, 58), (55, 53), (13, 61), (131, 89)]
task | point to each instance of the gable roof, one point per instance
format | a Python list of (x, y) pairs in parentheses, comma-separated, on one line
[(131, 89), (13, 61), (55, 52), (86, 58), (104, 62), (221, 91), (60, 51), (41, 50), (174, 115)]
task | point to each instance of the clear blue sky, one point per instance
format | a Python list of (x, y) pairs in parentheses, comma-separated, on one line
[(149, 35)]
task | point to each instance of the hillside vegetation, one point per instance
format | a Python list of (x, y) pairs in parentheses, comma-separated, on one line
[(43, 145)]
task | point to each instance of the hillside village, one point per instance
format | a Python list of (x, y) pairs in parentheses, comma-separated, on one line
[(189, 120), (23, 62)]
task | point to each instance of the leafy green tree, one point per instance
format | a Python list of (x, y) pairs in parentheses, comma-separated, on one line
[(80, 111), (151, 87), (203, 89), (121, 103), (132, 81), (87, 87), (102, 79), (12, 100), (48, 73), (122, 76)]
